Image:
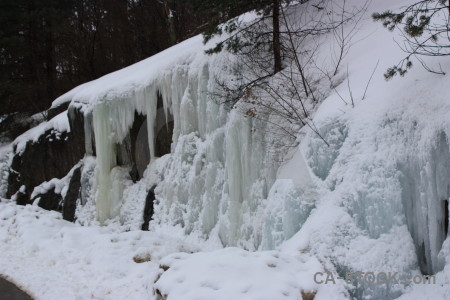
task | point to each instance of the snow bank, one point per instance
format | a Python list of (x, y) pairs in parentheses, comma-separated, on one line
[(232, 273), (54, 259), (384, 179)]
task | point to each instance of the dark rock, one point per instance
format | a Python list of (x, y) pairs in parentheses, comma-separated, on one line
[(135, 175), (54, 111), (163, 140), (446, 216), (308, 295), (8, 291), (21, 197), (140, 154), (130, 151), (142, 258), (89, 136), (76, 136), (163, 130), (73, 193), (134, 152), (52, 156), (49, 157), (50, 200), (148, 209), (15, 124), (159, 295), (123, 152), (164, 267)]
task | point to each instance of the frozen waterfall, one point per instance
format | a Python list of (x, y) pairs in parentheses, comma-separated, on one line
[(218, 176)]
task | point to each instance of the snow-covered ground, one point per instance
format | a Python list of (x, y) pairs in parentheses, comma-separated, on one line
[(363, 204), (53, 259)]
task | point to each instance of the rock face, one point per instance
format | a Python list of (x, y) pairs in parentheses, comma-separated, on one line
[(140, 150), (14, 125), (49, 157), (52, 156), (54, 111), (140, 154), (73, 193), (55, 153), (21, 197), (53, 199), (164, 140), (148, 209), (133, 150), (50, 200), (11, 292), (77, 132)]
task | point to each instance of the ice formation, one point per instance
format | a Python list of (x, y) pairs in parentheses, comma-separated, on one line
[(218, 174), (5, 162), (375, 199), (222, 179)]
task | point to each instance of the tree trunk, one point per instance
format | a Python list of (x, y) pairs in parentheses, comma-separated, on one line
[(34, 94), (50, 60), (276, 36), (169, 21)]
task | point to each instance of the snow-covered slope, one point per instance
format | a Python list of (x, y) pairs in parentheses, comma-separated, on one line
[(373, 201)]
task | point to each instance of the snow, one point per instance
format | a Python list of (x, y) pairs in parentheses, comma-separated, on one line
[(122, 83), (224, 274), (58, 124), (59, 186), (103, 263), (5, 162), (384, 177), (373, 201), (54, 259), (201, 127)]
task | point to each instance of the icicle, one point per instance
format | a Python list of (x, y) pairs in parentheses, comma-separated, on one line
[(106, 159), (151, 110), (188, 113), (112, 121), (212, 178)]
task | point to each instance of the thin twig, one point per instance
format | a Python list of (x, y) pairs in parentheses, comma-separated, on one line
[(370, 79)]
